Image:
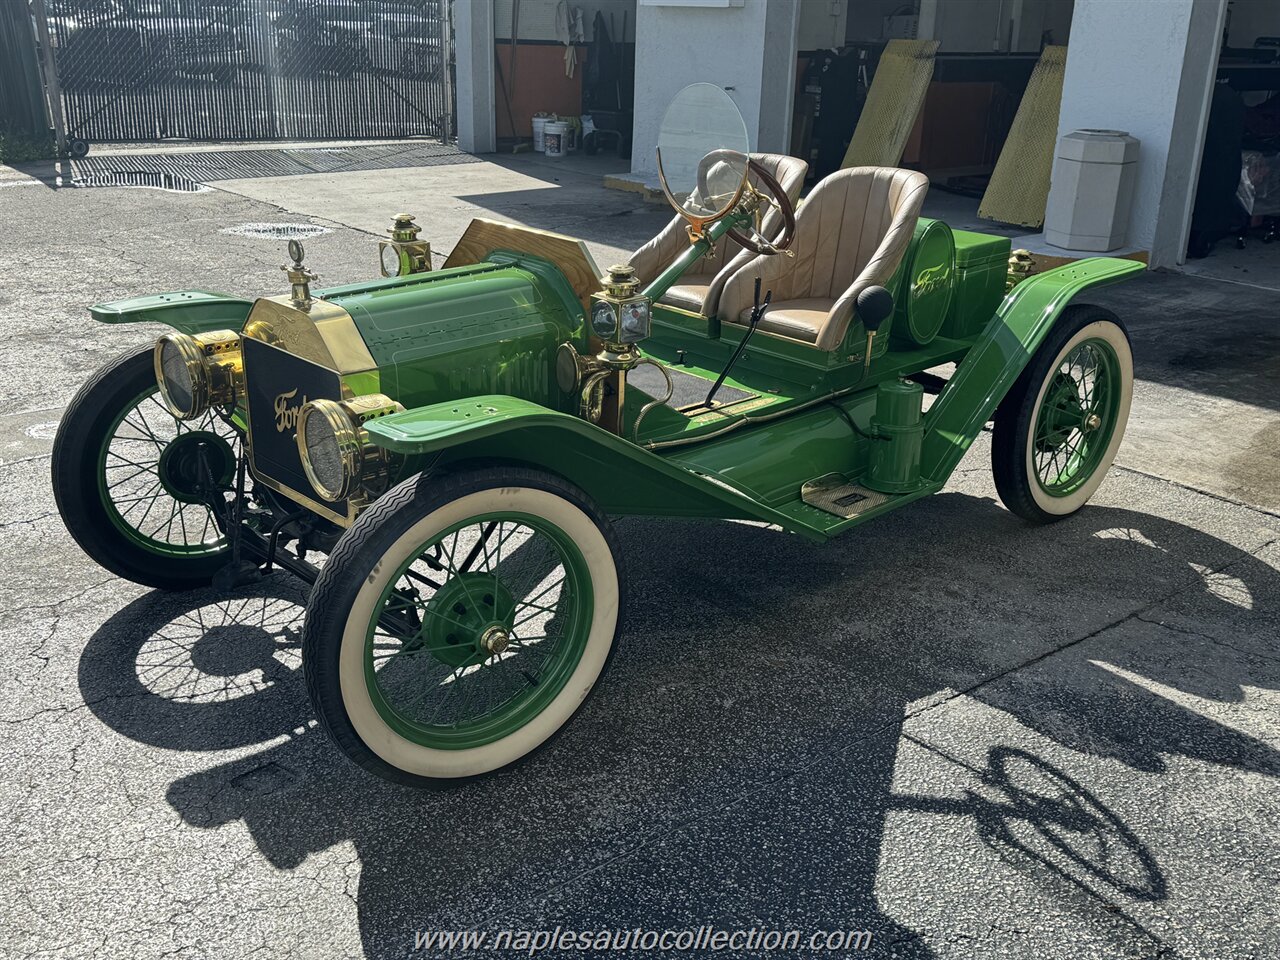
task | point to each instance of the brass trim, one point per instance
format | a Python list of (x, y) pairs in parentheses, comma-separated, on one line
[(214, 365), (363, 463), (326, 334), (697, 224), (275, 322), (693, 315), (315, 506), (347, 438), (412, 254)]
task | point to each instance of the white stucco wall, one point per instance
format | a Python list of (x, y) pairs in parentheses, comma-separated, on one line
[(1128, 69), (748, 50), (474, 90)]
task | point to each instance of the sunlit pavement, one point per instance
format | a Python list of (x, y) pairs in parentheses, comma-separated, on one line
[(970, 737)]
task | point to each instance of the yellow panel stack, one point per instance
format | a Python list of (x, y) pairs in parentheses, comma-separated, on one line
[(1019, 186), (896, 94)]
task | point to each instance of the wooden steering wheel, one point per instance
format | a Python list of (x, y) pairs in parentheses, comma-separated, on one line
[(773, 193)]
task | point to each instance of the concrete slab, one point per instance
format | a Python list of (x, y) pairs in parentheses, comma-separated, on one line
[(1208, 383), (564, 196), (963, 735)]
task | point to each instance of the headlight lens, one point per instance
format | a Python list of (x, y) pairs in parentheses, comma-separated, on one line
[(178, 365), (195, 373), (329, 445), (335, 450)]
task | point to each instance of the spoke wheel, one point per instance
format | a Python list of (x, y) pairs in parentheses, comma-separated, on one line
[(1058, 429), (473, 660), (1077, 417), (130, 481), (153, 479), (460, 623)]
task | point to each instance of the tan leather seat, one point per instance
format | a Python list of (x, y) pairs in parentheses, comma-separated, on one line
[(851, 233), (699, 288)]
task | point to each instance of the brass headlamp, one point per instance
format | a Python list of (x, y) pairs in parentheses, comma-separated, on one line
[(198, 372), (404, 253), (336, 454), (620, 315)]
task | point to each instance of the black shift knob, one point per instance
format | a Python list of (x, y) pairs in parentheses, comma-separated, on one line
[(874, 305)]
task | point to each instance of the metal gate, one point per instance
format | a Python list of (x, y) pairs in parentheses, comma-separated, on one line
[(144, 70)]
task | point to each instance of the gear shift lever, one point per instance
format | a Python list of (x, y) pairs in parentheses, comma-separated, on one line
[(873, 307)]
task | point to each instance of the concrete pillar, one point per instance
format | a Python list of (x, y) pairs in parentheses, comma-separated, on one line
[(1147, 68), (476, 90), (750, 50)]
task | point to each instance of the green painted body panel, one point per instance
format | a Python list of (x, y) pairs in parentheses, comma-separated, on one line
[(755, 470), (1000, 354), (982, 266), (191, 311), (622, 477), (492, 328), (926, 285)]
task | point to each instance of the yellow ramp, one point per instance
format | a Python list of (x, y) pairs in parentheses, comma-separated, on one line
[(1019, 186), (896, 95)]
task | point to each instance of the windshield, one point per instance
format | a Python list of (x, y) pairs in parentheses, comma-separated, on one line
[(703, 151)]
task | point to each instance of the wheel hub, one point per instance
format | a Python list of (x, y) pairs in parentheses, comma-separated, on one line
[(495, 640), (183, 464), (469, 619)]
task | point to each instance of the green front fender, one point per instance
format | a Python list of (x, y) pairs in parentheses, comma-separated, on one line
[(994, 363), (623, 478), (191, 311)]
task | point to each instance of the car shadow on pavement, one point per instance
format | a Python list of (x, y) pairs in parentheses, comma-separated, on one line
[(741, 764)]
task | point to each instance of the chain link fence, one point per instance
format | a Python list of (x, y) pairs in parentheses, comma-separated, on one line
[(145, 70)]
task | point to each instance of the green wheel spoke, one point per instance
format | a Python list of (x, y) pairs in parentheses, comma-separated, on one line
[(469, 676), (1077, 418)]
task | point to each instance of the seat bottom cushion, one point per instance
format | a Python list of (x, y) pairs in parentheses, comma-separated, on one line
[(797, 319), (689, 294)]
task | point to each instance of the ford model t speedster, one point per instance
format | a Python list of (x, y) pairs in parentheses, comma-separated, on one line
[(439, 451)]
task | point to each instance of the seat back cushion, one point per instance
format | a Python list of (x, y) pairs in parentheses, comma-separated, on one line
[(854, 220), (660, 252), (851, 232)]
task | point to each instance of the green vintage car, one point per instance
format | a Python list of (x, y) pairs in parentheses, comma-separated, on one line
[(439, 452)]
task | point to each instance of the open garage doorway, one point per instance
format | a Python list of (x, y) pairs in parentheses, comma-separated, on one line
[(1235, 219), (985, 55)]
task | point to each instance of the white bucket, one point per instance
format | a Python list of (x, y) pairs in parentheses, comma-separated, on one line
[(540, 122), (555, 138)]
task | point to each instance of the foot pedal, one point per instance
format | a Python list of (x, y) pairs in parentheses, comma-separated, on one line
[(834, 494)]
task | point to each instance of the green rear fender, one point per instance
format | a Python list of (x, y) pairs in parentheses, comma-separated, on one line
[(190, 311), (623, 478), (996, 360)]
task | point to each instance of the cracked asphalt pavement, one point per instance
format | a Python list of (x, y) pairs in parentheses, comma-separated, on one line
[(971, 737)]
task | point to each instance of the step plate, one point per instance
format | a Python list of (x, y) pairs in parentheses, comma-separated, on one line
[(836, 495)]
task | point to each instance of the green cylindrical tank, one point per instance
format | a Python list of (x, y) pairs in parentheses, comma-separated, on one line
[(898, 428), (927, 285)]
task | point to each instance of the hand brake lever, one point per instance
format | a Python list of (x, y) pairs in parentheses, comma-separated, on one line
[(757, 312)]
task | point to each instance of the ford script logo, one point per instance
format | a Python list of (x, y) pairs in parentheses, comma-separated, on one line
[(929, 281), (286, 412)]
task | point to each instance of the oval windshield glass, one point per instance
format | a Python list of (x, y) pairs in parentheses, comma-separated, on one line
[(702, 150)]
